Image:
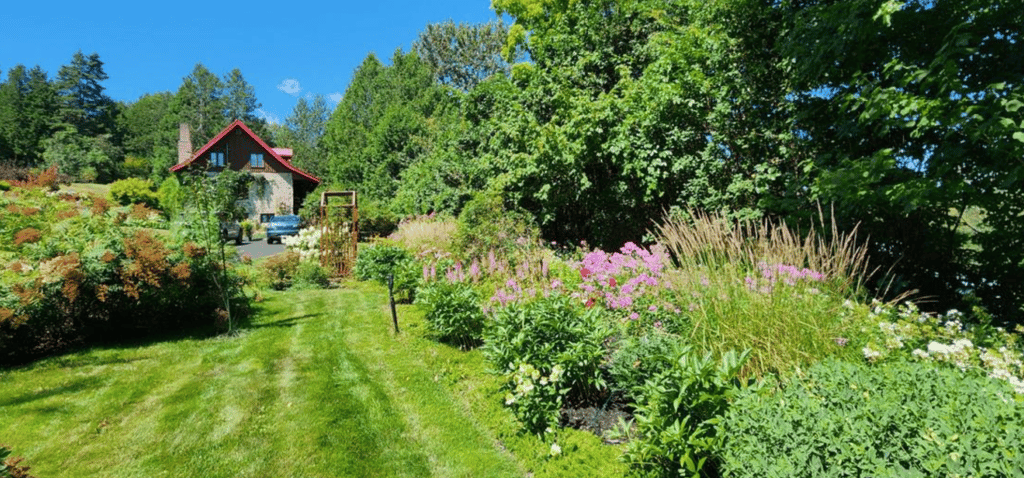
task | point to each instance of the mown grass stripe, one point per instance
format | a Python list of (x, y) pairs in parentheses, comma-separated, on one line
[(316, 386)]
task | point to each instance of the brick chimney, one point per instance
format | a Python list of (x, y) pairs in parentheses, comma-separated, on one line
[(184, 143)]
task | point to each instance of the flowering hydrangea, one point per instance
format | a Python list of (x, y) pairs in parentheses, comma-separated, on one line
[(306, 243)]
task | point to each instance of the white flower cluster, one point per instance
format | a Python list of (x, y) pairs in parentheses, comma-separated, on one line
[(958, 353), (948, 342), (1000, 364), (526, 377), (871, 354), (306, 243)]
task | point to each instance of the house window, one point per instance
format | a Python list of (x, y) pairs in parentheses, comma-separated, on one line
[(256, 160), (217, 160)]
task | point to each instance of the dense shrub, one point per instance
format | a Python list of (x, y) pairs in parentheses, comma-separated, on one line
[(677, 416), (453, 312), (87, 274), (134, 191), (279, 269), (551, 348), (904, 332), (311, 275), (854, 419), (170, 195), (485, 225), (383, 258)]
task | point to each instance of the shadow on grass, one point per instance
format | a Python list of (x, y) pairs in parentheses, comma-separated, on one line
[(124, 339), (288, 322), (65, 388)]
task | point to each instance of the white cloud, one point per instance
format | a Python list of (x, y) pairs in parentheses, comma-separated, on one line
[(290, 86), (335, 97), (268, 116)]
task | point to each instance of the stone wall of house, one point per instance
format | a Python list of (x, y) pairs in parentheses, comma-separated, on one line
[(278, 191)]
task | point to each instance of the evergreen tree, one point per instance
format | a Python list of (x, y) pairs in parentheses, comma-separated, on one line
[(240, 103), (200, 103), (303, 132), (83, 102), (28, 111)]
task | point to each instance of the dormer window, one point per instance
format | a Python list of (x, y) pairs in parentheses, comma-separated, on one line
[(256, 160), (217, 160)]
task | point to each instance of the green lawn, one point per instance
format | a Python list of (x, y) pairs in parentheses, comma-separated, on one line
[(317, 386)]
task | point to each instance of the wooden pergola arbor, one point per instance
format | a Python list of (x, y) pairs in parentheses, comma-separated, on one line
[(339, 231)]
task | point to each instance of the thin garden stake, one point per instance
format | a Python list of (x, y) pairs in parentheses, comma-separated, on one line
[(391, 295)]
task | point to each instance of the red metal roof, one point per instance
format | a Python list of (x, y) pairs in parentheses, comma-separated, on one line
[(272, 151), (285, 153)]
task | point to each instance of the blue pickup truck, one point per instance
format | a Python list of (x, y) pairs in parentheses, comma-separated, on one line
[(281, 226)]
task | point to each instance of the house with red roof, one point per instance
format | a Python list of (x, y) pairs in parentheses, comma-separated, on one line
[(237, 148)]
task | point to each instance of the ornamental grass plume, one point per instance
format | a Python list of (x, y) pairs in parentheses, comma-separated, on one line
[(429, 233), (759, 285), (712, 240)]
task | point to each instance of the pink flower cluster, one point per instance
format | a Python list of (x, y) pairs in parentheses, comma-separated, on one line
[(785, 273), (639, 271)]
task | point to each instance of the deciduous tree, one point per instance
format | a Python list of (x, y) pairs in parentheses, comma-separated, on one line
[(461, 55)]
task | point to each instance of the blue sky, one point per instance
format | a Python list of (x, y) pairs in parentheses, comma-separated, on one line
[(285, 49)]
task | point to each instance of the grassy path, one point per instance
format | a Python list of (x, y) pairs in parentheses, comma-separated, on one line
[(316, 387)]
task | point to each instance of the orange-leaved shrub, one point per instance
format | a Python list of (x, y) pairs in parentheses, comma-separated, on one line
[(74, 279)]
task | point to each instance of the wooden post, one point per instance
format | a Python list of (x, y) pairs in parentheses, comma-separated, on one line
[(391, 295)]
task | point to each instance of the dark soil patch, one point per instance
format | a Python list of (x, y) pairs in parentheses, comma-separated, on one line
[(598, 420)]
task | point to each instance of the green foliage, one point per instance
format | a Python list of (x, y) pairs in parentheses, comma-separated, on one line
[(903, 419), (135, 166), (199, 102), (170, 196), (248, 227), (88, 274), (386, 121), (382, 259), (636, 359), (279, 269), (376, 220), (5, 186), (461, 55), (28, 112), (302, 132), (912, 109), (311, 275), (83, 103), (551, 350), (150, 133), (453, 312), (677, 431), (630, 108), (88, 158), (240, 100), (485, 225), (134, 191)]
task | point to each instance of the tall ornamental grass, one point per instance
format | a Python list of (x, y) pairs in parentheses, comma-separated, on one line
[(764, 287), (424, 235)]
